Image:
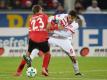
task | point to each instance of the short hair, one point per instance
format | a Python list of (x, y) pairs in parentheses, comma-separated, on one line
[(72, 13), (36, 8), (94, 1)]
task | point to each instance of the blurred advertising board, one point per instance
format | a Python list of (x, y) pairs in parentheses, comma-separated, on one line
[(13, 42), (15, 19), (21, 19), (14, 32)]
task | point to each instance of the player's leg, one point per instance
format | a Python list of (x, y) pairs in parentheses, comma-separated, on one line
[(75, 64), (31, 47), (45, 56), (46, 60), (45, 48), (45, 64), (41, 54), (65, 44), (69, 50), (34, 53), (27, 59), (20, 67), (23, 62)]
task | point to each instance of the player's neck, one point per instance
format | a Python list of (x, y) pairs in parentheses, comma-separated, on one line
[(40, 11)]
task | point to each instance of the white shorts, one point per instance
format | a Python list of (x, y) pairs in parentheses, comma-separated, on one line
[(65, 44)]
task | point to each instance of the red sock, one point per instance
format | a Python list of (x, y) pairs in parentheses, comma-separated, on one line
[(21, 66), (46, 60)]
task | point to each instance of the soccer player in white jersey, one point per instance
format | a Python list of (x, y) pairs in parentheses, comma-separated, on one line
[(63, 37)]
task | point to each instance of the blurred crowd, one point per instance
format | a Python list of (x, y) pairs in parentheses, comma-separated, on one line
[(27, 4), (92, 7), (53, 5), (56, 6)]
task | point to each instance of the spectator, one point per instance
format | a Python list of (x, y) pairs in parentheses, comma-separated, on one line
[(48, 4), (60, 10), (3, 4), (94, 7), (40, 2), (28, 4), (55, 4), (16, 4), (79, 9), (78, 6)]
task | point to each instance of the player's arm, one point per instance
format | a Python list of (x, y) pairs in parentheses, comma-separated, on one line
[(49, 26), (53, 24), (72, 27)]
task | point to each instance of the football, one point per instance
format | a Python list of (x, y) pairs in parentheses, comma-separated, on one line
[(31, 72)]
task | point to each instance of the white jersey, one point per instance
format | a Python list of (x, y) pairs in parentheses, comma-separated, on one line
[(57, 17), (69, 28), (62, 38)]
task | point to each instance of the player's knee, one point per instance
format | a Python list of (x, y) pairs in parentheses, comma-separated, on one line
[(35, 51)]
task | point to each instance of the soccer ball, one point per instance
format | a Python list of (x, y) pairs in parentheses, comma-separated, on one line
[(31, 72)]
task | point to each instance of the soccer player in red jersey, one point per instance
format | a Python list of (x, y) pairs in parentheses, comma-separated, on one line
[(38, 38), (63, 38)]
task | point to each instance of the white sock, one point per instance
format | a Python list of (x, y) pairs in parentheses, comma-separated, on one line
[(34, 53), (76, 68)]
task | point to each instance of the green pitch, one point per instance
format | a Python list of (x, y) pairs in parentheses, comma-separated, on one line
[(60, 68)]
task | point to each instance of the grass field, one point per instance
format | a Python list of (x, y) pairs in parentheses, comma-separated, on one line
[(60, 68)]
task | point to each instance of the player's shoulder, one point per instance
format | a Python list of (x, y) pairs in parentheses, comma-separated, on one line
[(44, 14), (74, 23), (41, 15)]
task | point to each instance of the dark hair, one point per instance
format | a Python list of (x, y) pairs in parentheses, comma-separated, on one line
[(36, 8), (73, 13)]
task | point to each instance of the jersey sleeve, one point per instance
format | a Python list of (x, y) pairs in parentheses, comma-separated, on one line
[(75, 26), (57, 20), (72, 27)]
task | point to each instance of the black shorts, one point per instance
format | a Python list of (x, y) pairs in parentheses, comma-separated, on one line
[(43, 46)]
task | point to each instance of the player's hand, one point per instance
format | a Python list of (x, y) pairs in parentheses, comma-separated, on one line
[(55, 21)]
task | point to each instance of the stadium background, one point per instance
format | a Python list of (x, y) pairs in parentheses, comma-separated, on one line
[(14, 24), (14, 16)]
